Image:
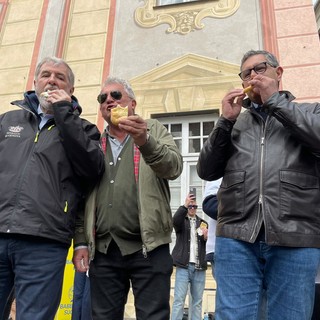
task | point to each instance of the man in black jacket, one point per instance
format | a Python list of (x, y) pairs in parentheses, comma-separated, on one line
[(268, 231), (49, 159), (189, 258)]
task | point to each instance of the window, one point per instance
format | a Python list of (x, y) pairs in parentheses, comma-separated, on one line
[(189, 134)]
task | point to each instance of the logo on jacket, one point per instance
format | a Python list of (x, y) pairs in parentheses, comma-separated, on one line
[(14, 131)]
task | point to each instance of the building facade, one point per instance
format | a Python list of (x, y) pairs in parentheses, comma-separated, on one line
[(181, 57)]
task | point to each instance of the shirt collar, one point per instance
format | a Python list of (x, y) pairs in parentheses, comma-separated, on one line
[(42, 115)]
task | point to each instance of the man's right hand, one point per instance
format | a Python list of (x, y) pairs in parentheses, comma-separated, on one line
[(232, 104), (80, 259)]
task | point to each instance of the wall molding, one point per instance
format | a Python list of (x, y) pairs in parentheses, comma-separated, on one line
[(185, 17)]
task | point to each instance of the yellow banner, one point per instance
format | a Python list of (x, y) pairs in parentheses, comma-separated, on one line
[(65, 308)]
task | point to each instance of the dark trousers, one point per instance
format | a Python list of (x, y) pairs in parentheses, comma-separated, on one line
[(81, 303), (8, 306), (111, 275), (316, 310)]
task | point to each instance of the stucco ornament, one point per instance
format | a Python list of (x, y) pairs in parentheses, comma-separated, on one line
[(184, 17)]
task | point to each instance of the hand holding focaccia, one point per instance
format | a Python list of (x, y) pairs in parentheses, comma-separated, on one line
[(203, 229), (45, 94), (118, 113), (203, 225)]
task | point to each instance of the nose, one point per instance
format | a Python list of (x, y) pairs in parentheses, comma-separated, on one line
[(52, 79), (253, 73)]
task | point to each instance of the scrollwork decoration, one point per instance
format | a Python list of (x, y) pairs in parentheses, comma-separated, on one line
[(184, 18)]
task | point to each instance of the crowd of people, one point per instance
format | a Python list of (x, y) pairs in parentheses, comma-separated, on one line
[(63, 180)]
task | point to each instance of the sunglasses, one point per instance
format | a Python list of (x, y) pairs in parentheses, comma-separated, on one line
[(193, 206), (102, 97)]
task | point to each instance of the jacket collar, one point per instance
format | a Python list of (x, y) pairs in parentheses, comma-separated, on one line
[(31, 101), (248, 104)]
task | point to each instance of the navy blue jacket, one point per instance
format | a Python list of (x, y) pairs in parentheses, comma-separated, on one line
[(46, 173)]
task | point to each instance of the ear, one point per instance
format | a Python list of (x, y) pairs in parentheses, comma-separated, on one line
[(279, 72), (133, 104), (71, 91)]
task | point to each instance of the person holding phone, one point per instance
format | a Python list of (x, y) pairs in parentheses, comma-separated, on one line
[(189, 258)]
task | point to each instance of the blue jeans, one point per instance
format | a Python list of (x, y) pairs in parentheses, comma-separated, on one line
[(197, 279), (81, 304), (35, 266), (243, 270)]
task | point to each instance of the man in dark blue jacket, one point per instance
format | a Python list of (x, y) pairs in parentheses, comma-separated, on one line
[(49, 159)]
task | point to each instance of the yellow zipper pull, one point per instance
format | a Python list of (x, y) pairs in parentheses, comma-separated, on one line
[(66, 207), (37, 137)]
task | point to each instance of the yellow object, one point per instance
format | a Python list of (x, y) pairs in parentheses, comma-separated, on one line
[(118, 113), (247, 89), (203, 225), (65, 307)]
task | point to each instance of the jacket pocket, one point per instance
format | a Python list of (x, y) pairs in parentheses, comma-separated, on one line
[(299, 196), (232, 194)]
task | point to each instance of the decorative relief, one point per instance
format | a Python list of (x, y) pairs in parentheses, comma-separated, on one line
[(185, 17)]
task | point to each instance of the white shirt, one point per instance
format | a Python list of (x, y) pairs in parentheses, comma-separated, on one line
[(193, 240), (211, 188)]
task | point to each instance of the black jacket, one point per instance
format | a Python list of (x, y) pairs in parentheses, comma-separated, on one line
[(181, 250), (46, 173), (271, 172)]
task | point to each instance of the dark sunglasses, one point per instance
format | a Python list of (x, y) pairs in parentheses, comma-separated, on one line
[(102, 97), (193, 206)]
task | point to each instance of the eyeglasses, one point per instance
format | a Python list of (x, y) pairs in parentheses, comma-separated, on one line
[(193, 206), (259, 69), (102, 97)]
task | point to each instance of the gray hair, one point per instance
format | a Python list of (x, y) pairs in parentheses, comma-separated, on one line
[(271, 59), (126, 85), (55, 61)]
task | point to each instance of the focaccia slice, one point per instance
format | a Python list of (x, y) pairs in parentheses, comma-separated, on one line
[(118, 113)]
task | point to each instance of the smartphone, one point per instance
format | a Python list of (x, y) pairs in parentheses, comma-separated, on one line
[(193, 191)]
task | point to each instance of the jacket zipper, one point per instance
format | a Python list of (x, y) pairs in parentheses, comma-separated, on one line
[(260, 200)]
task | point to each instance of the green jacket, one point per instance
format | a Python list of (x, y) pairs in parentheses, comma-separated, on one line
[(160, 161)]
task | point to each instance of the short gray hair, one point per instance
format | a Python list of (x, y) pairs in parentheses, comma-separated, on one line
[(271, 59), (55, 61), (126, 85)]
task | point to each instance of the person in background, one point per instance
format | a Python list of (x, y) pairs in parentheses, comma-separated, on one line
[(49, 158), (81, 302), (268, 230), (189, 258), (210, 208), (128, 220)]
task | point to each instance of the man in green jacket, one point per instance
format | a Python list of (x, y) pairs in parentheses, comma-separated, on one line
[(127, 224)]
